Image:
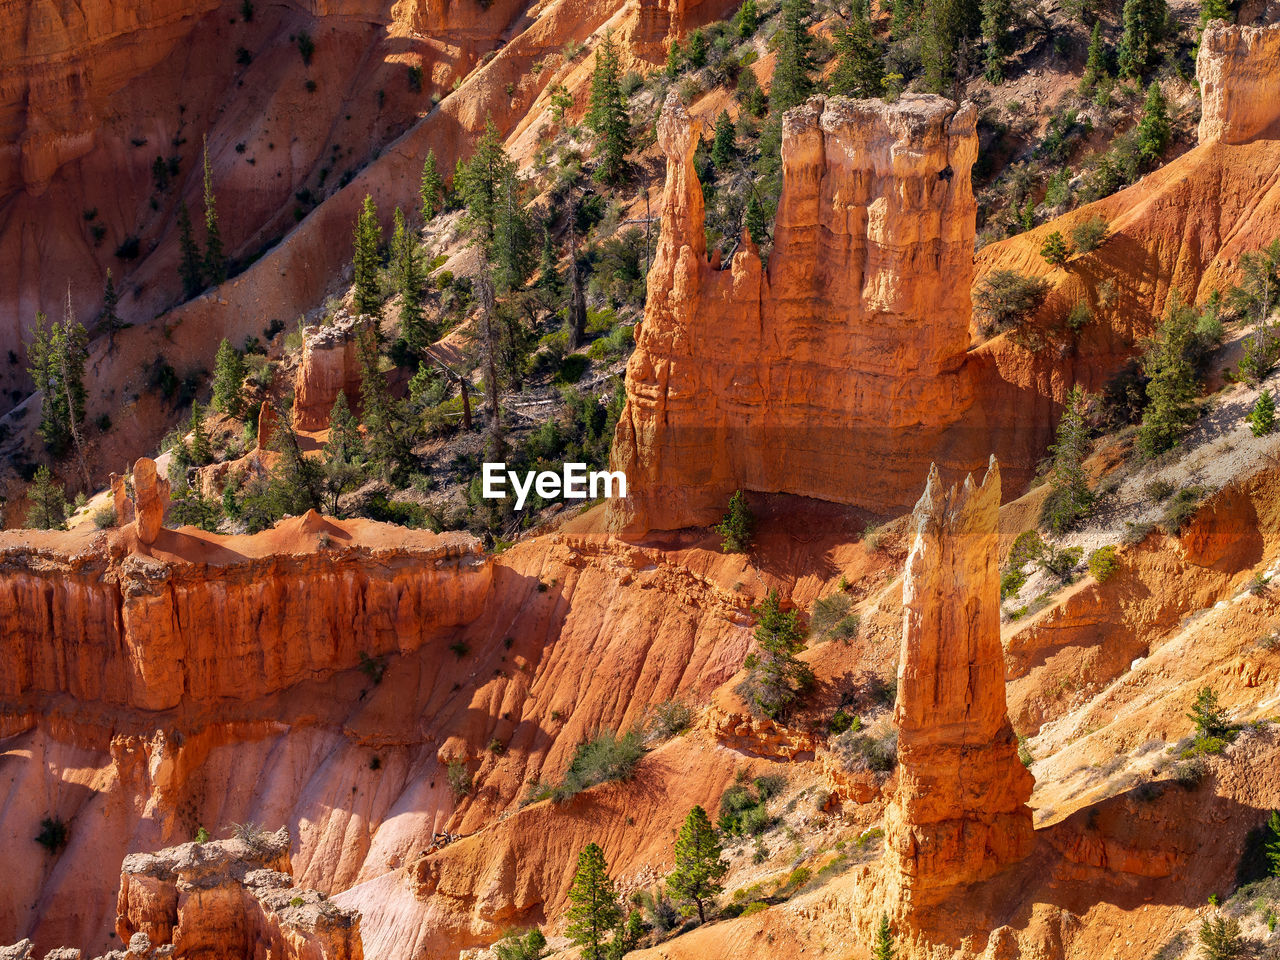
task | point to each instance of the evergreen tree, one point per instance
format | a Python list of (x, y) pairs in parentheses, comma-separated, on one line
[(1153, 129), (883, 949), (1221, 939), (1055, 249), (1172, 382), (675, 59), (1095, 67), (746, 20), (512, 248), (385, 441), (483, 178), (792, 74), (1144, 22), (1262, 418), (1272, 843), (699, 864), (1209, 718), (607, 116), (366, 240), (1211, 10), (859, 66), (755, 222), (297, 478), (735, 528), (189, 268), (549, 281), (228, 380), (997, 34), (626, 936), (777, 677), (594, 907), (431, 190), (215, 263), (406, 272), (200, 448), (723, 143), (343, 454), (57, 354), (1070, 497), (109, 320), (948, 27), (48, 510)]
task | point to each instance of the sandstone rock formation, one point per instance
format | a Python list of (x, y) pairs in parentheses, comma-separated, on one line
[(834, 374), (330, 365), (227, 617), (960, 812), (231, 898), (151, 500), (121, 502), (1237, 70)]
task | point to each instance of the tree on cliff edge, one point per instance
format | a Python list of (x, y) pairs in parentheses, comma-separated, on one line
[(859, 66), (594, 910), (48, 501)]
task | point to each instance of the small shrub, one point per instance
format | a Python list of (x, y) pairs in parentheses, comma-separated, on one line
[(460, 649), (52, 835), (875, 751), (1158, 490), (605, 757), (1103, 563), (1079, 316), (1060, 561), (459, 778), (871, 537), (1089, 235), (828, 612), (497, 747), (841, 721), (1006, 297), (1189, 773), (670, 719), (104, 517), (1221, 939), (1011, 582), (744, 811), (1262, 418), (373, 667), (306, 47), (202, 836), (1184, 505), (296, 902), (754, 907)]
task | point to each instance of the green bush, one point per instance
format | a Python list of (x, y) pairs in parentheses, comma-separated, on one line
[(745, 811), (459, 778), (830, 618), (572, 368), (603, 758), (1103, 562), (105, 517), (1089, 235), (875, 751), (1184, 505), (735, 528), (1262, 418), (52, 835), (1005, 297), (669, 719)]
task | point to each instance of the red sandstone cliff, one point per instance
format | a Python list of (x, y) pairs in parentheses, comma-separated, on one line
[(835, 373)]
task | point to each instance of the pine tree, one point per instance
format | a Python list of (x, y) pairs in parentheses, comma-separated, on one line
[(297, 477), (675, 60), (1095, 67), (109, 320), (746, 20), (1272, 843), (1144, 22), (948, 27), (1055, 249), (626, 936), (997, 22), (482, 181), (755, 222), (215, 263), (607, 116), (723, 143), (1211, 10), (1172, 382), (735, 527), (859, 66), (48, 501), (527, 946), (385, 442), (366, 240), (57, 354), (228, 380), (1070, 497), (406, 272), (200, 448), (189, 268), (512, 248), (594, 907), (883, 949), (792, 75), (1262, 418), (343, 454), (1221, 939), (1154, 129), (699, 864), (431, 190), (777, 677)]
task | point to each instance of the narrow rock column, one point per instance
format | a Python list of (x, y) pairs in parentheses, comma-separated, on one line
[(960, 811), (151, 494)]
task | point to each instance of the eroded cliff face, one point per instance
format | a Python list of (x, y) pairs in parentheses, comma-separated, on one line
[(959, 813), (200, 618), (1237, 70), (835, 373)]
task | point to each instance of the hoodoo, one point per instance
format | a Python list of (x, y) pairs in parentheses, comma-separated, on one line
[(798, 377), (960, 812)]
